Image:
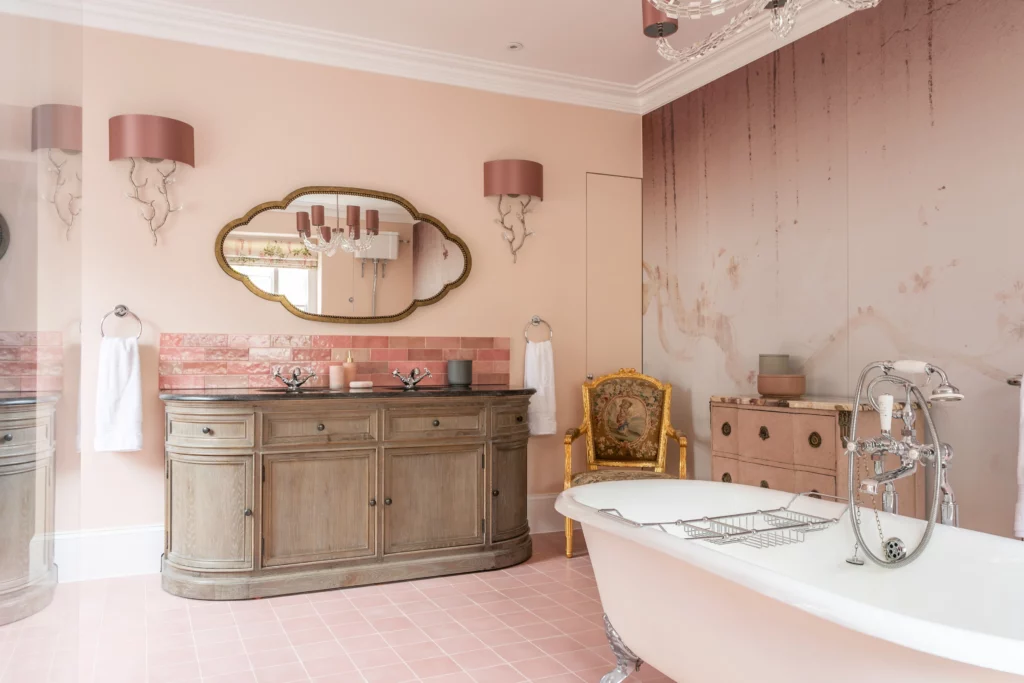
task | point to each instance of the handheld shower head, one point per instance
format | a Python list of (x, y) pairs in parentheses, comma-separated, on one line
[(946, 392)]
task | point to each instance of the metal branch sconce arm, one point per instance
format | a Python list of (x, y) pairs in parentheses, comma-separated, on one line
[(510, 233), (151, 213), (514, 178), (59, 181)]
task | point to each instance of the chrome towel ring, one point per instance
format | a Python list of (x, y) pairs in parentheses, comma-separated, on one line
[(121, 311), (535, 321)]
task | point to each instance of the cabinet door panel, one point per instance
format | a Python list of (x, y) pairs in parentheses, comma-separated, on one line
[(316, 506), (24, 533), (508, 490), (436, 497), (208, 527)]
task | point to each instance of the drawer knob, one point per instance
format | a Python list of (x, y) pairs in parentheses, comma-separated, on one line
[(726, 429), (248, 512), (373, 502), (764, 484), (207, 431), (321, 427), (436, 423), (387, 501), (519, 418), (814, 439), (495, 493), (763, 433), (8, 438), (815, 494), (727, 478)]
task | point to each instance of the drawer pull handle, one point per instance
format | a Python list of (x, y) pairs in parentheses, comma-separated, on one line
[(207, 431), (8, 438), (247, 512), (436, 423), (321, 427), (763, 433), (764, 484), (726, 429), (519, 418), (373, 502), (727, 478), (814, 439), (387, 501), (495, 493)]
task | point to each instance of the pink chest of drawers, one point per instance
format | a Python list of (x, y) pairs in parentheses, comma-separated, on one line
[(795, 445)]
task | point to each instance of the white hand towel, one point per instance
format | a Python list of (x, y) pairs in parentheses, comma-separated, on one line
[(1018, 520), (118, 396), (539, 374)]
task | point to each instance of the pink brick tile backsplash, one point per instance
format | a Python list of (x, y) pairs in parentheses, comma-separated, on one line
[(31, 361), (233, 361)]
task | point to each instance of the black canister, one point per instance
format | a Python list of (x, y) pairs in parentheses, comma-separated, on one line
[(460, 373)]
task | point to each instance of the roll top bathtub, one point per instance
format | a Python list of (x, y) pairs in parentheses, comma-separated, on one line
[(708, 613)]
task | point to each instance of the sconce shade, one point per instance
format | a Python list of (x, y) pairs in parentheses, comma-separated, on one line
[(57, 126), (514, 177), (151, 137), (318, 215), (302, 223), (372, 222), (352, 216), (657, 24)]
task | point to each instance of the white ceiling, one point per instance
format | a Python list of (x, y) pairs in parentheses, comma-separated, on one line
[(599, 39), (586, 52)]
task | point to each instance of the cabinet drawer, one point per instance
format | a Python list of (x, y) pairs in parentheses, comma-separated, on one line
[(510, 419), (213, 430), (334, 426), (723, 469), (724, 430), (807, 482), (26, 435), (775, 478), (814, 440), (766, 435), (408, 424)]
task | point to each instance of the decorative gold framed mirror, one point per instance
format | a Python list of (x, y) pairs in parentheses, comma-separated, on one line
[(343, 255)]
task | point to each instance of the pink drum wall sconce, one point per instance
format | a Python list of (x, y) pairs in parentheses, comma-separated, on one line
[(514, 178), (59, 127), (154, 139)]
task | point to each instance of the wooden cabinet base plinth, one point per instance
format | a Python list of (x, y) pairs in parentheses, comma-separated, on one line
[(28, 599), (228, 586)]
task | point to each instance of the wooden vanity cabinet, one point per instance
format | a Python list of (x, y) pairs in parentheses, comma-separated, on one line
[(342, 491), (28, 575), (796, 445)]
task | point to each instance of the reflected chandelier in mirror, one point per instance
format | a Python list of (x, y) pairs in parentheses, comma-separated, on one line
[(343, 254)]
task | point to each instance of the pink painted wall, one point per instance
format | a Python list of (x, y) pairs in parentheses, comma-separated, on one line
[(266, 126), (852, 197)]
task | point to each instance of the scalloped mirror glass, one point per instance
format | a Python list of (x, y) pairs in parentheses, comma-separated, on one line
[(307, 253)]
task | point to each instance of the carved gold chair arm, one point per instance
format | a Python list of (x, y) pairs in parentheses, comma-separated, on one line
[(570, 436), (681, 439)]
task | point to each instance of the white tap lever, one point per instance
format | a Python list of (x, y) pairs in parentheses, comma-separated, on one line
[(885, 402), (910, 367)]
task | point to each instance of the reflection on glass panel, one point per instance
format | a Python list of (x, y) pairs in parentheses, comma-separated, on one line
[(407, 260)]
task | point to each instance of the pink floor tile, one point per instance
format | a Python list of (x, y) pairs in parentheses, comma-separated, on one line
[(478, 659), (267, 658), (534, 669), (367, 659), (225, 665), (460, 644), (285, 673), (497, 674), (435, 666), (396, 673), (329, 665)]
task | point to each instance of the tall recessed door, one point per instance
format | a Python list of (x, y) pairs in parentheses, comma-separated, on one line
[(614, 273)]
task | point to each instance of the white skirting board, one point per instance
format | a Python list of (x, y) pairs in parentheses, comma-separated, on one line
[(108, 553), (130, 551)]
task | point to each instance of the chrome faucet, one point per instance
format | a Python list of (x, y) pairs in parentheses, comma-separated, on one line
[(296, 380), (415, 377)]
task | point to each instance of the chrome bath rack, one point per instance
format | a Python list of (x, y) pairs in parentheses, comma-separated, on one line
[(758, 529)]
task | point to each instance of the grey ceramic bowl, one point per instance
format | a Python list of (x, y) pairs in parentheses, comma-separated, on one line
[(460, 373)]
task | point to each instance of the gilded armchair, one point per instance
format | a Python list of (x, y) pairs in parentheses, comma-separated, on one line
[(627, 428)]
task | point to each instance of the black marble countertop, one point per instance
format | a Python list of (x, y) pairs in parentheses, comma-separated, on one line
[(313, 393), (27, 398)]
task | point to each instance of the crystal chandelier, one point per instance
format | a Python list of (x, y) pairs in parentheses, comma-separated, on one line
[(661, 19), (328, 240)]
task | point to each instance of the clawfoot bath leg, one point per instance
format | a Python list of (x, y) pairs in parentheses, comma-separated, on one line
[(625, 661)]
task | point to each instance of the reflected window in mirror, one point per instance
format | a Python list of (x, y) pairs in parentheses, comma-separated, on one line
[(411, 260)]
